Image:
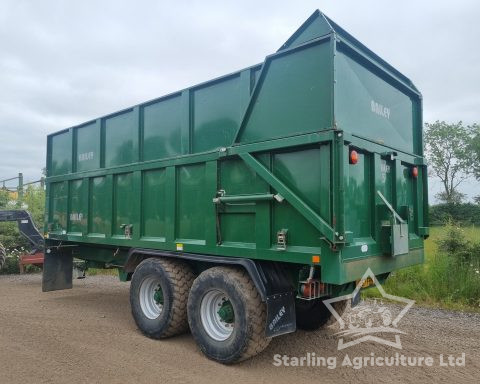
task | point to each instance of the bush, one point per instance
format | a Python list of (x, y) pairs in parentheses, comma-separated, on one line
[(450, 276), (465, 214), (11, 263), (455, 245), (11, 266)]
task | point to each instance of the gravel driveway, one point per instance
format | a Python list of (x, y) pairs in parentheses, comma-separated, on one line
[(87, 335)]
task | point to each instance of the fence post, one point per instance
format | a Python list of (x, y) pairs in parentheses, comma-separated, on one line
[(20, 190)]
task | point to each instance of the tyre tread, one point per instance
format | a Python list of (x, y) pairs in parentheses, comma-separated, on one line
[(182, 279)]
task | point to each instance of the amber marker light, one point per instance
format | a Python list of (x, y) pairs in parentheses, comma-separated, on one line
[(353, 157)]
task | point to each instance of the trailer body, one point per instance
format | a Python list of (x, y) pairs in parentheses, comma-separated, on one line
[(256, 165)]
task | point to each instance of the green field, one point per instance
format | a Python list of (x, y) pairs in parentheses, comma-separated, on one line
[(447, 279)]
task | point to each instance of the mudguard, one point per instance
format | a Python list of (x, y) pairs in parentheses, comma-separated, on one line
[(57, 270)]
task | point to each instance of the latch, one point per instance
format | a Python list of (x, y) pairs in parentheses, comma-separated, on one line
[(390, 155), (399, 231), (127, 230), (282, 239)]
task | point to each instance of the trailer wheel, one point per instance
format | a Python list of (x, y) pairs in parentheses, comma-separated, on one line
[(226, 315), (158, 297), (313, 314)]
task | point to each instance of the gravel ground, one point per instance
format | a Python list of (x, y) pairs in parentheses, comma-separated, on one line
[(87, 335)]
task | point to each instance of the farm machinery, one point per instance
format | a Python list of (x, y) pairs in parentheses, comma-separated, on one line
[(238, 206), (27, 229)]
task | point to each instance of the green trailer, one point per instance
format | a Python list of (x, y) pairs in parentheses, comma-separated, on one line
[(237, 206)]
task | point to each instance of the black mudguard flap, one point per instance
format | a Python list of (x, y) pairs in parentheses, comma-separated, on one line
[(281, 317), (57, 270)]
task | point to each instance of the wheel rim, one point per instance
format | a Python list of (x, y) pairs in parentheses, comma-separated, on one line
[(151, 297), (217, 315)]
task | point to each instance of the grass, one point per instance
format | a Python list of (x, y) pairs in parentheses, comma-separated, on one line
[(99, 271), (448, 280)]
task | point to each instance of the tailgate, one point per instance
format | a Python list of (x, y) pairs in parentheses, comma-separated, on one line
[(385, 208)]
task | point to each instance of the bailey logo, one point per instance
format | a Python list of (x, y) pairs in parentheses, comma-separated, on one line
[(380, 109), (368, 320), (277, 318)]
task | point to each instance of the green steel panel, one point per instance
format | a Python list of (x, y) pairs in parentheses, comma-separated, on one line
[(100, 214), (255, 76), (186, 122), (217, 110), (162, 129), (325, 182), (121, 139), (405, 198), (61, 154), (88, 147), (239, 220), (358, 196), (191, 202), (293, 96), (300, 231), (236, 178), (386, 182), (124, 203), (315, 26), (421, 189), (306, 211), (154, 203), (211, 188), (78, 210), (368, 106), (318, 24), (238, 228), (303, 172), (58, 211)]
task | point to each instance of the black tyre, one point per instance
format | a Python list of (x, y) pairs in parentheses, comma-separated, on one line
[(226, 315), (158, 297), (313, 314)]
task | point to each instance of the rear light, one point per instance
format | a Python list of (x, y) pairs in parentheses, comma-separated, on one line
[(415, 172), (312, 289), (353, 157)]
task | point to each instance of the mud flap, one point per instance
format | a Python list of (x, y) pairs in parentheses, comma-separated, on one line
[(281, 317), (57, 270)]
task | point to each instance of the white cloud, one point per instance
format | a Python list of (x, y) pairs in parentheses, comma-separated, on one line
[(62, 63)]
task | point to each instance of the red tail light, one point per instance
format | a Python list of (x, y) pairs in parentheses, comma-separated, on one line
[(415, 172), (353, 157)]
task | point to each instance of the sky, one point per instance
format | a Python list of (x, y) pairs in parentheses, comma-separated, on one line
[(66, 62)]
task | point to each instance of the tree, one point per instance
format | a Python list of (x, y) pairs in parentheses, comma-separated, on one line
[(455, 198), (449, 153), (475, 148)]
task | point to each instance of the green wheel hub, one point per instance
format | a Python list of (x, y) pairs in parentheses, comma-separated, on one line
[(226, 312), (158, 296)]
